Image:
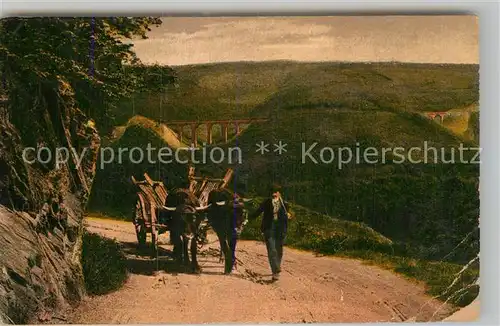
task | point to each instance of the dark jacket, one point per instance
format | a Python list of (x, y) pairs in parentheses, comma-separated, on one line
[(266, 207)]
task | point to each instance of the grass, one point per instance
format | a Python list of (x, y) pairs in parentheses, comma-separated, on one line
[(436, 275), (319, 233), (314, 231), (104, 264), (473, 128), (161, 130), (464, 124)]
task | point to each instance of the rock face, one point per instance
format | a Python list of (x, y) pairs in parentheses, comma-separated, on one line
[(41, 220), (39, 271)]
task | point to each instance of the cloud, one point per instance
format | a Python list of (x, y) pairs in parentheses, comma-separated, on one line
[(449, 39)]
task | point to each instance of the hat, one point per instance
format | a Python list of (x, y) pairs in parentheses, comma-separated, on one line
[(274, 188)]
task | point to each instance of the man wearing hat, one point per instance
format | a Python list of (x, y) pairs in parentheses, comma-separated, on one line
[(274, 227)]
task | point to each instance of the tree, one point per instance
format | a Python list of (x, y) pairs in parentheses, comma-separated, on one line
[(46, 62)]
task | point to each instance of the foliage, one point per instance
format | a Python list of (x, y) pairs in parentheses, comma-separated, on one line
[(321, 233), (473, 128), (85, 59), (104, 264)]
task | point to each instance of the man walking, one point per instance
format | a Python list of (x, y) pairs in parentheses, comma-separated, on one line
[(274, 227)]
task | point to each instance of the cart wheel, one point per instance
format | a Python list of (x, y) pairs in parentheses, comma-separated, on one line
[(140, 228)]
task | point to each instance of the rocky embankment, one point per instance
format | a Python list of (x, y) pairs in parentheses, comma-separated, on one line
[(41, 214)]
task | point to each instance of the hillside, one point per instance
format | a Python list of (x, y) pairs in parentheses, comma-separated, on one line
[(464, 122), (428, 208), (243, 89), (429, 211), (159, 129), (113, 192)]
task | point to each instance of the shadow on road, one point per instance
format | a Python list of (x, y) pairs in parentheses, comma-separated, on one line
[(139, 261)]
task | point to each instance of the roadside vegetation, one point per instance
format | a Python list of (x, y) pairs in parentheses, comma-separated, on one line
[(104, 264), (322, 234)]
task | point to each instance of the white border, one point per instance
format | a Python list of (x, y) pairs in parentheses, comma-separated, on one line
[(238, 7), (488, 12)]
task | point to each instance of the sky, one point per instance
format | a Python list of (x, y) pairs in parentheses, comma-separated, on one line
[(430, 39)]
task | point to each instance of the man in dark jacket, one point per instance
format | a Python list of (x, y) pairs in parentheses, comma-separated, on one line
[(274, 227)]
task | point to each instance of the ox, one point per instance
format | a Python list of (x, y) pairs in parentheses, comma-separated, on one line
[(184, 226), (227, 215)]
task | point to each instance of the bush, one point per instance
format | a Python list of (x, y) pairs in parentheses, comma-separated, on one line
[(321, 233), (104, 264)]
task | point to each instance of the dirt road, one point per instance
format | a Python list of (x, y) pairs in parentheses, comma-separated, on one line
[(311, 289)]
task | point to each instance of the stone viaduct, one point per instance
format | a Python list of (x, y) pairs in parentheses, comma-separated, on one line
[(179, 126), (442, 115)]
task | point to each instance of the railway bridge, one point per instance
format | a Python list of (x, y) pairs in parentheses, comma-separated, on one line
[(195, 124)]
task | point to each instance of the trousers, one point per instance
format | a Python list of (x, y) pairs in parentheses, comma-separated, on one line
[(274, 238)]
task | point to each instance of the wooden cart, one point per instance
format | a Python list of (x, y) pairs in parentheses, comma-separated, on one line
[(150, 200), (151, 197), (202, 186)]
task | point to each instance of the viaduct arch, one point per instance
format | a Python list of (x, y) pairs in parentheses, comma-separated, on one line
[(442, 115), (180, 125)]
